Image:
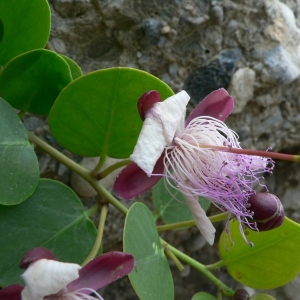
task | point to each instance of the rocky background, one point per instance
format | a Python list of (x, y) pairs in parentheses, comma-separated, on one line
[(250, 47)]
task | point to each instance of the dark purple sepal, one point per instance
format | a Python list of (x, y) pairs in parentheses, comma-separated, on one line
[(218, 104), (11, 292), (133, 181), (103, 270), (146, 101), (268, 211), (241, 294), (34, 255)]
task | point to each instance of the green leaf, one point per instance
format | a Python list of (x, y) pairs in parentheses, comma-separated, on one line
[(75, 69), (24, 26), (272, 262), (54, 218), (96, 115), (172, 205), (151, 278), (32, 81), (203, 296), (19, 171), (261, 297)]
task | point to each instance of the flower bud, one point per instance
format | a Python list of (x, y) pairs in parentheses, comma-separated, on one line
[(146, 101), (34, 255), (268, 212), (241, 294)]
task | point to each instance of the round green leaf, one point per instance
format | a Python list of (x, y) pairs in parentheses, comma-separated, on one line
[(96, 115), (54, 218), (171, 204), (19, 172), (151, 278), (272, 262), (75, 69), (24, 26), (261, 297), (203, 296), (32, 81)]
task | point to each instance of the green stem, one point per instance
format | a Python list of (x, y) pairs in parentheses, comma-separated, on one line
[(81, 171), (100, 163), (226, 290), (98, 241), (93, 209), (112, 168), (186, 224), (171, 255), (215, 266)]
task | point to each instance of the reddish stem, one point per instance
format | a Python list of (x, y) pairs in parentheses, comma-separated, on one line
[(275, 155)]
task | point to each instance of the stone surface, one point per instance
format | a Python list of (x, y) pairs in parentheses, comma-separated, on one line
[(242, 88)]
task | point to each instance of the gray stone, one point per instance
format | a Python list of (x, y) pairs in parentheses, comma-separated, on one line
[(216, 74), (290, 198), (241, 88), (173, 68), (282, 66), (57, 45)]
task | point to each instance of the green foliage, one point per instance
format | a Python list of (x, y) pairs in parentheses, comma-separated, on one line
[(53, 217), (21, 32), (19, 172), (75, 69), (32, 81), (171, 204), (203, 296), (151, 277), (272, 262), (104, 119)]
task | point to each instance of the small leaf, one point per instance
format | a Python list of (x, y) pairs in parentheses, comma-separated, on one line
[(75, 69), (203, 296), (97, 115), (172, 205), (32, 81), (19, 172), (272, 262), (24, 26), (151, 278), (52, 217), (261, 297)]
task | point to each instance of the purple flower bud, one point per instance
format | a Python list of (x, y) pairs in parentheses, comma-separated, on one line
[(34, 255), (268, 212), (146, 101), (241, 294)]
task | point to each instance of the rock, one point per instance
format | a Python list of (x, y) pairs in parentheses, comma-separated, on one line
[(173, 68), (242, 88), (216, 74), (290, 198), (71, 8), (57, 45), (283, 67), (149, 32), (217, 14), (283, 59)]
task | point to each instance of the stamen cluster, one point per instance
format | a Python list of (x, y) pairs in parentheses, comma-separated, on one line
[(194, 165)]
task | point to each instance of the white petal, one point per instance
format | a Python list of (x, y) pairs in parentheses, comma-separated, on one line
[(160, 125), (202, 221), (45, 277)]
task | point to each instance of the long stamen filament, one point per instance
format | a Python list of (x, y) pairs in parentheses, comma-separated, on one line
[(275, 155)]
